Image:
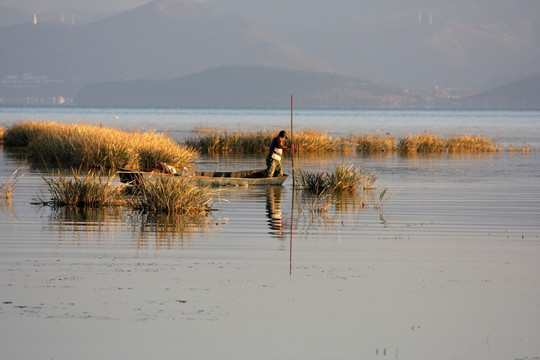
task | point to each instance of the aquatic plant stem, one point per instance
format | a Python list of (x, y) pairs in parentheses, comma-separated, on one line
[(292, 196)]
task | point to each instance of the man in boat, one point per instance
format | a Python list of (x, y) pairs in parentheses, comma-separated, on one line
[(275, 153)]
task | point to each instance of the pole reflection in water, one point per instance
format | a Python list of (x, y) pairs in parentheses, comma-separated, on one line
[(273, 211)]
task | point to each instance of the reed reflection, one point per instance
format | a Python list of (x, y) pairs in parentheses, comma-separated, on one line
[(273, 211), (87, 219), (166, 231), (93, 227)]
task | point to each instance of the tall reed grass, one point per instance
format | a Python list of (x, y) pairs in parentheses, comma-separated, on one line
[(321, 190), (93, 189), (173, 195), (95, 146), (465, 143), (370, 144), (2, 133), (313, 141), (7, 187), (344, 179), (223, 141), (524, 148), (81, 189), (421, 143)]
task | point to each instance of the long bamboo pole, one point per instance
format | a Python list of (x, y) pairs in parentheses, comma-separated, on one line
[(293, 191), (292, 139)]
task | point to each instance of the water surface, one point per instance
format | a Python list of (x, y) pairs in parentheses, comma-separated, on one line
[(448, 268)]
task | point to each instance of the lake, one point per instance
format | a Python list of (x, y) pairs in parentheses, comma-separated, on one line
[(447, 268)]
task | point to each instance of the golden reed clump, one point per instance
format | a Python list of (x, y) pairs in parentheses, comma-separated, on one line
[(421, 143), (95, 146), (313, 141), (94, 189), (82, 189), (371, 144), (223, 141), (465, 143), (173, 195)]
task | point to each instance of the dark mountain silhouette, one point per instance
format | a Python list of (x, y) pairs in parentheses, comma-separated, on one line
[(248, 87), (264, 87), (523, 94)]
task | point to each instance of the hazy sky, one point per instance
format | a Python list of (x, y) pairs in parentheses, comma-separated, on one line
[(471, 43), (98, 5)]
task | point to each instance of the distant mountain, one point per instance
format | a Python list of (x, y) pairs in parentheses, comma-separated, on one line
[(248, 87), (449, 46), (163, 39), (265, 87), (414, 44), (517, 95)]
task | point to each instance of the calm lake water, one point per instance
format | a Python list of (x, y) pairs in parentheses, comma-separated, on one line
[(448, 268)]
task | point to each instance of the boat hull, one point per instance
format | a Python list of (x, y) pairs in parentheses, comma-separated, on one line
[(207, 178)]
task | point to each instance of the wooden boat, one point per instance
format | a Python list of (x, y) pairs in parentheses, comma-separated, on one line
[(207, 178)]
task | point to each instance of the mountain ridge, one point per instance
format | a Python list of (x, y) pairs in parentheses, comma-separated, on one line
[(265, 87), (247, 87)]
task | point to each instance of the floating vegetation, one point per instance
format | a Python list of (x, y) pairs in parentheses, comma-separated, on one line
[(90, 189), (344, 179), (523, 147), (383, 197), (6, 188), (323, 189), (173, 195), (95, 146)]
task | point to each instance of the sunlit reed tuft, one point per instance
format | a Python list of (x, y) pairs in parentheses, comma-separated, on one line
[(523, 147), (471, 144), (344, 179), (173, 195), (320, 190), (312, 141), (421, 143), (2, 133), (81, 189), (7, 188), (223, 141), (370, 144), (95, 146)]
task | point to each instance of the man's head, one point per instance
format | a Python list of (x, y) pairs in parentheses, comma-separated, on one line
[(283, 134)]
